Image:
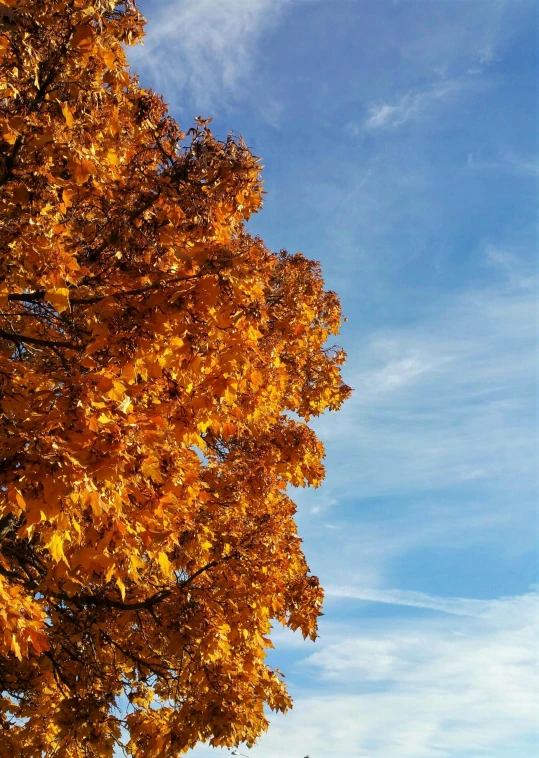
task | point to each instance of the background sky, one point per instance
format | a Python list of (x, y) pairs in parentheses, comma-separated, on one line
[(400, 144)]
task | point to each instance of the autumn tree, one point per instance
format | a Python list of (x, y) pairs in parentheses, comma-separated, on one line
[(158, 366)]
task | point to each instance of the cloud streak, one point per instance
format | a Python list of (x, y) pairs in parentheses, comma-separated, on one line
[(455, 606), (506, 161), (408, 107)]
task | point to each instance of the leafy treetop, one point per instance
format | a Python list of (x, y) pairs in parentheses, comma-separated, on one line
[(157, 368)]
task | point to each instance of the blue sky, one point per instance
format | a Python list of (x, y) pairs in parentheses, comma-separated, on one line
[(400, 144)]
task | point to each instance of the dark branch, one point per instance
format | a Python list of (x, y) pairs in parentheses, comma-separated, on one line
[(20, 339), (139, 605), (32, 297), (105, 602)]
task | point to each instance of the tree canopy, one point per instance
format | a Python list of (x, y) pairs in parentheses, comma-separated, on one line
[(158, 365)]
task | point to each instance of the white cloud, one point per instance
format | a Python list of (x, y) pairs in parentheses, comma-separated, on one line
[(462, 32), (203, 50), (476, 43), (402, 371), (320, 502), (505, 160), (485, 55), (518, 272), (456, 606), (409, 107)]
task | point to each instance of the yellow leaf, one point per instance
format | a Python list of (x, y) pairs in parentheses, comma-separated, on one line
[(129, 373), (121, 587), (117, 391), (67, 114), (20, 500), (165, 564), (125, 405), (227, 431), (56, 548), (257, 380), (109, 58), (66, 197), (38, 640), (41, 139), (81, 169), (112, 157), (59, 298)]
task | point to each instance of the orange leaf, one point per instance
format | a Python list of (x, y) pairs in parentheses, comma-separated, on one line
[(59, 298), (83, 37)]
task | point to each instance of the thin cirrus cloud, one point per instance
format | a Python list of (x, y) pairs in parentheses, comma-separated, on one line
[(409, 107), (202, 51), (416, 104), (436, 450), (408, 598), (505, 161)]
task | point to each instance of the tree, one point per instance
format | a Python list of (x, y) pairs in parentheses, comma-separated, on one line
[(158, 366)]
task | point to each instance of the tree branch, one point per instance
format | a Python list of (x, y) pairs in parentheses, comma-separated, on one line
[(207, 567), (27, 297), (139, 605), (32, 297), (19, 339), (105, 602)]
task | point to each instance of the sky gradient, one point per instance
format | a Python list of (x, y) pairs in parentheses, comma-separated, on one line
[(400, 144)]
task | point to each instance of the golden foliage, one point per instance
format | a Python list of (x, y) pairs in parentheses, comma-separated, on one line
[(151, 353)]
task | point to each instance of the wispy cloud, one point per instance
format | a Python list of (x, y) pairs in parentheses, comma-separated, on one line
[(456, 606), (519, 272), (505, 160), (409, 107), (203, 50), (443, 52), (486, 55), (468, 33), (435, 689)]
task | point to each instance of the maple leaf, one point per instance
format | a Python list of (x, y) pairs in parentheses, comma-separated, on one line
[(58, 297)]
